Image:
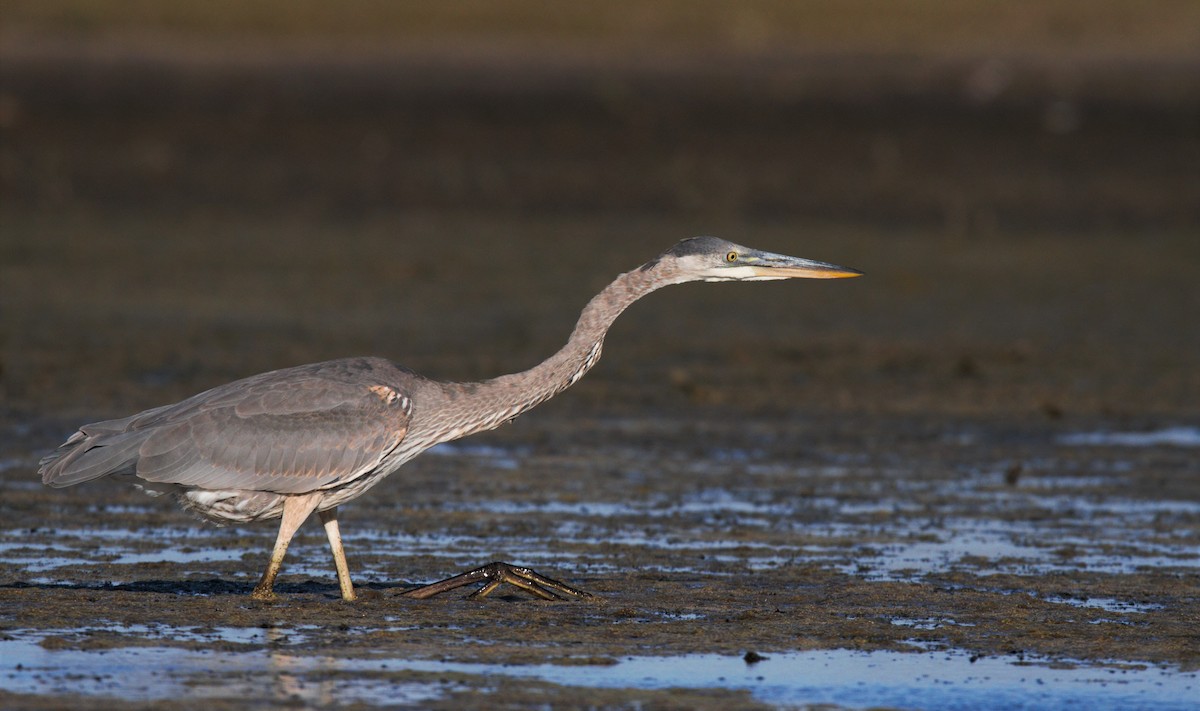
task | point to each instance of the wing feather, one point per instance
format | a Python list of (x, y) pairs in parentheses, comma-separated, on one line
[(60, 469), (290, 431)]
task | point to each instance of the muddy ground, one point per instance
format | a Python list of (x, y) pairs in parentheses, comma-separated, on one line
[(920, 459)]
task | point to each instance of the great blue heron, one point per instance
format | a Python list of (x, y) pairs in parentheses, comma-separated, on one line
[(289, 442)]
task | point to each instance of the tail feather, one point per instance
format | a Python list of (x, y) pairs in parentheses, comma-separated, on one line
[(99, 449), (84, 457)]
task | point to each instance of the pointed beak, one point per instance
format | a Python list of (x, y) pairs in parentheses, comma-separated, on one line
[(766, 265)]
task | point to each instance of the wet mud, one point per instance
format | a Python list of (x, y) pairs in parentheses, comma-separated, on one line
[(972, 474), (1015, 548)]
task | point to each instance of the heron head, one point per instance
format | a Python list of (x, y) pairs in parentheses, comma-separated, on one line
[(713, 259)]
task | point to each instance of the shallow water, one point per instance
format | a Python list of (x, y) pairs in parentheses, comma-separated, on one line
[(911, 530), (936, 559), (944, 679), (1181, 436)]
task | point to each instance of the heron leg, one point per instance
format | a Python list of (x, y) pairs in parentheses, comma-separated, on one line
[(329, 519), (493, 575), (295, 510)]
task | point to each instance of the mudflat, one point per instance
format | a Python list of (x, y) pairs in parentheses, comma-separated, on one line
[(984, 448)]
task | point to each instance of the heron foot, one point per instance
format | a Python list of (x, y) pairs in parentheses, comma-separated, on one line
[(263, 594), (493, 575)]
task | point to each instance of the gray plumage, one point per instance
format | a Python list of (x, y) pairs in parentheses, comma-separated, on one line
[(232, 453), (293, 441)]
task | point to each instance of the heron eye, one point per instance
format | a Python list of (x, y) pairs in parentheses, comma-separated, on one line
[(731, 257)]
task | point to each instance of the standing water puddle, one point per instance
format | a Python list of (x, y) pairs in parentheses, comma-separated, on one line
[(1172, 436), (925, 679)]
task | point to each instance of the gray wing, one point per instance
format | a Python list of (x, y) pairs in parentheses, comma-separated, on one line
[(288, 431)]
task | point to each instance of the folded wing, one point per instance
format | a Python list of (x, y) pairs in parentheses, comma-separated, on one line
[(290, 431)]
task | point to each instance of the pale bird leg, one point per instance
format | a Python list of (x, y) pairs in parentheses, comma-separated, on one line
[(493, 575), (329, 519), (295, 510)]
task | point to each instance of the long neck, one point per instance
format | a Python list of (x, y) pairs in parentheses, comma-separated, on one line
[(496, 401)]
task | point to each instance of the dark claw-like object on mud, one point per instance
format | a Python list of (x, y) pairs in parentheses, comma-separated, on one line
[(495, 574)]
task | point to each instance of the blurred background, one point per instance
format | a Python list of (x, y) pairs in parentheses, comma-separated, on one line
[(195, 191)]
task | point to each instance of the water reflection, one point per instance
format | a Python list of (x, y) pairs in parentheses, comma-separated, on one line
[(1172, 436), (277, 671)]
